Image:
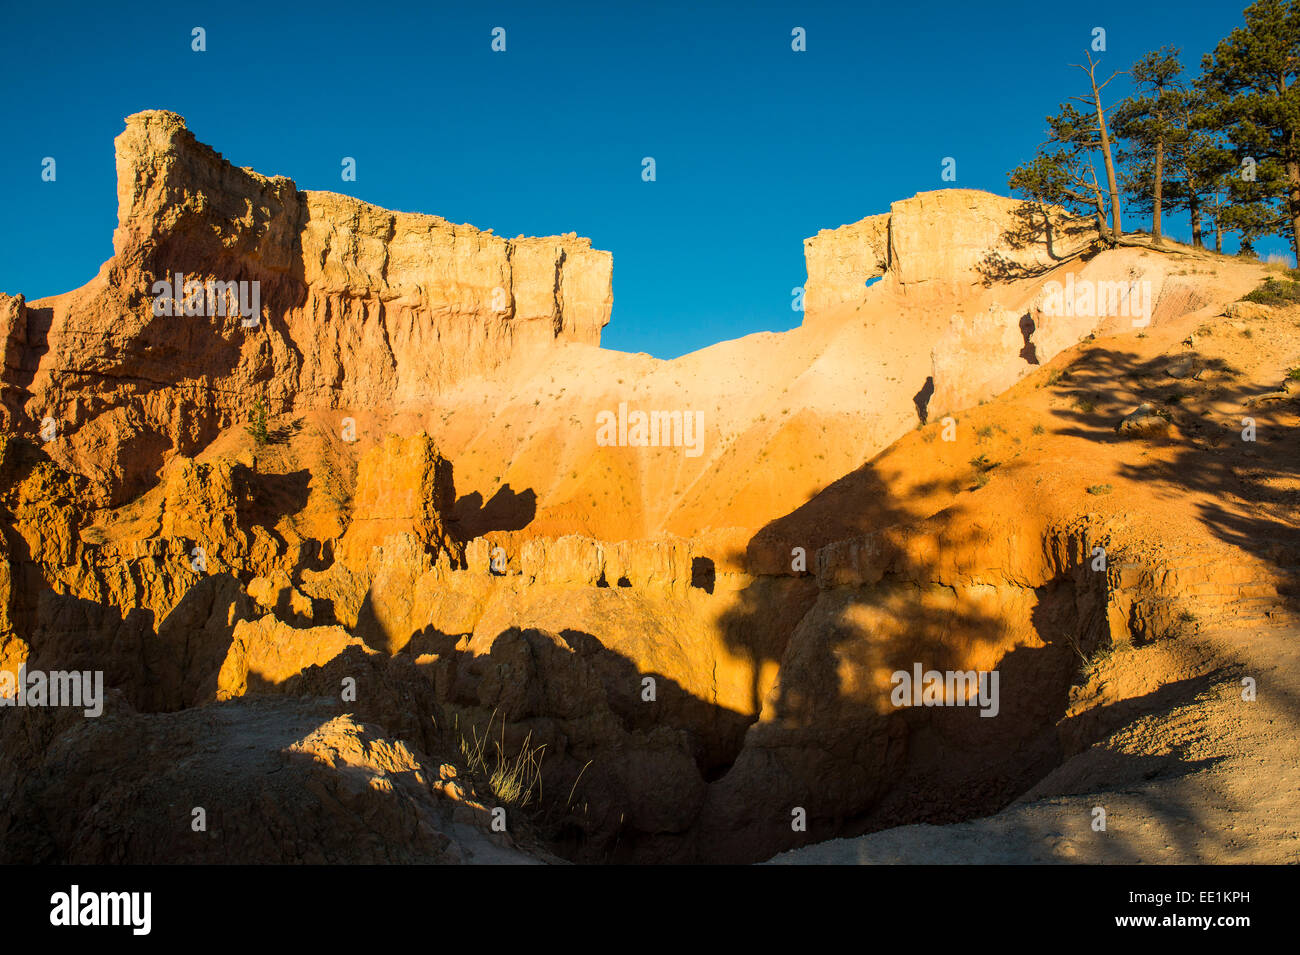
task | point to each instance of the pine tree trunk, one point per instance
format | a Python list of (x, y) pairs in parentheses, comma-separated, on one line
[(1195, 207), (1117, 229), (1155, 208), (1293, 203), (1218, 237)]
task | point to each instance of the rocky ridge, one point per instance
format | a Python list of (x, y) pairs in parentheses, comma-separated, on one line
[(232, 587)]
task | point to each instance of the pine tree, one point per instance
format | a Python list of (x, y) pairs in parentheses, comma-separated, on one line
[(1196, 163), (1254, 72), (1063, 171), (1149, 120), (257, 429)]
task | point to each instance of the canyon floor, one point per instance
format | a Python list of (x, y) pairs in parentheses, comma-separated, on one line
[(365, 584)]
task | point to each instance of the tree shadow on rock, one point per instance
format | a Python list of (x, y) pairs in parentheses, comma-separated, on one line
[(506, 511)]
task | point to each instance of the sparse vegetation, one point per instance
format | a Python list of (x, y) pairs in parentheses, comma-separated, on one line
[(257, 428), (512, 779), (1100, 489), (1277, 291), (1039, 429), (1184, 624), (1090, 662)]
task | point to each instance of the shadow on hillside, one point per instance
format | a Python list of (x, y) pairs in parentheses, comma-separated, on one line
[(282, 433), (832, 682), (1253, 487), (507, 510), (680, 778), (830, 740), (262, 499)]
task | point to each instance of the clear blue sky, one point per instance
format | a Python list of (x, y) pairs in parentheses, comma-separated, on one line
[(757, 147)]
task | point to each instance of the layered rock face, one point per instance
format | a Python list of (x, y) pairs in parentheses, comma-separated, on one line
[(423, 592), (935, 245), (357, 307)]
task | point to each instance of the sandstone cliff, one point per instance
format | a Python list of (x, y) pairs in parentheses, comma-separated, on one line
[(937, 245), (358, 307), (322, 625)]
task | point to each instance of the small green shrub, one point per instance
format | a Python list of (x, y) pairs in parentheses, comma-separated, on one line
[(1275, 291), (257, 423)]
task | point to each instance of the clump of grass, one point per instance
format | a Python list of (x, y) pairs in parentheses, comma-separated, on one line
[(1100, 489), (512, 779), (1294, 374), (1039, 429), (985, 432), (1090, 662), (982, 466), (1086, 405)]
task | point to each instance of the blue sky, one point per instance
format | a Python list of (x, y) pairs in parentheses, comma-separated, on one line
[(756, 146)]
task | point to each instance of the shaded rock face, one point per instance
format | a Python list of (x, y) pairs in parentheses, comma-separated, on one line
[(675, 722), (358, 307), (267, 782)]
